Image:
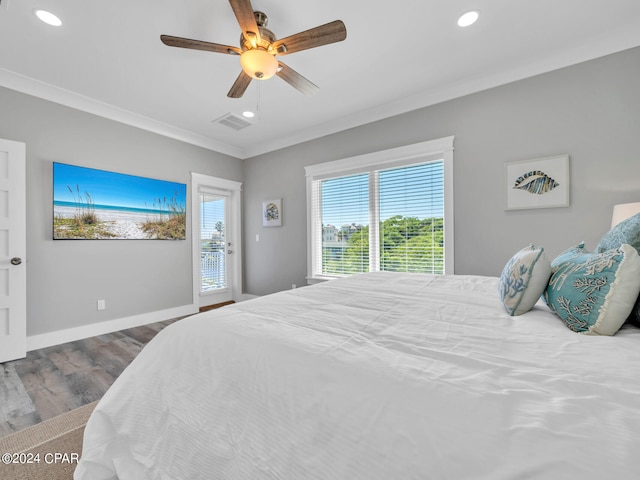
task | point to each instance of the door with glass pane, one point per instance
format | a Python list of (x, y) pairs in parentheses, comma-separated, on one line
[(215, 247)]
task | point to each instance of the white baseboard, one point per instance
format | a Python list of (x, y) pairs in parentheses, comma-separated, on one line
[(247, 296), (44, 340)]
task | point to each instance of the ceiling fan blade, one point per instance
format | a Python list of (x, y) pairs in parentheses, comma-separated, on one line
[(296, 80), (198, 45), (239, 86), (244, 14), (324, 34)]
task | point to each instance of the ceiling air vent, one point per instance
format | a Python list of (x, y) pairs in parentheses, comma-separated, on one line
[(233, 121)]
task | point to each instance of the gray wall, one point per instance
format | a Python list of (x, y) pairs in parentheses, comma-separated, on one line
[(66, 277), (590, 111)]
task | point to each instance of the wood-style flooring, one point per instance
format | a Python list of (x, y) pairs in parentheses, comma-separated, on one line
[(55, 380)]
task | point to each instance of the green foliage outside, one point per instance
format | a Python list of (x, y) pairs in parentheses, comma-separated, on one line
[(406, 245), (216, 243)]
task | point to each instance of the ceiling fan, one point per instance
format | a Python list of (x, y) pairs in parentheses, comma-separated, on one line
[(259, 47)]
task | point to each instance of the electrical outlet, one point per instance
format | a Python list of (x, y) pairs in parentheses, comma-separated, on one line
[(293, 285), (102, 304)]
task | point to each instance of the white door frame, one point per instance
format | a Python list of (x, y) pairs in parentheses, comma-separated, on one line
[(233, 232), (13, 246)]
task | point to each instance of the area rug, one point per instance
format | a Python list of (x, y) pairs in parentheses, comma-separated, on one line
[(47, 451)]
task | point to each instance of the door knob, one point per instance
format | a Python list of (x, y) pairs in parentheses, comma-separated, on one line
[(16, 261)]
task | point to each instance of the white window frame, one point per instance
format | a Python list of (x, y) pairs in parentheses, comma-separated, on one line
[(416, 153)]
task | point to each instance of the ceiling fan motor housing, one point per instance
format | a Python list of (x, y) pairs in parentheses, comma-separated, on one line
[(261, 18), (267, 37)]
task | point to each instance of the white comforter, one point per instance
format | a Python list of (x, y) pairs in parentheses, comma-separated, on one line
[(379, 376)]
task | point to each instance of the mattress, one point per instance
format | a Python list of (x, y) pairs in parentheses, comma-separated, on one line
[(376, 376)]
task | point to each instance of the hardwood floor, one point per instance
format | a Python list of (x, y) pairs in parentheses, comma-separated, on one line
[(54, 380)]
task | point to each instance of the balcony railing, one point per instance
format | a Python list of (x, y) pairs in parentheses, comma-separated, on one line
[(213, 270)]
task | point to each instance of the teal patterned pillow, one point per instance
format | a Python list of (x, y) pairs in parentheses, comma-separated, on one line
[(594, 293), (627, 231), (523, 280), (568, 254)]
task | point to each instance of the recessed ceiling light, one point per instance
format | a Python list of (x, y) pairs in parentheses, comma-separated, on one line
[(248, 114), (468, 18), (48, 17)]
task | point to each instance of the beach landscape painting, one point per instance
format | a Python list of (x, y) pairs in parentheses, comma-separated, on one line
[(91, 204)]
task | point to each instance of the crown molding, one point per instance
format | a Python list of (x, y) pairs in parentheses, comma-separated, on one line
[(52, 93)]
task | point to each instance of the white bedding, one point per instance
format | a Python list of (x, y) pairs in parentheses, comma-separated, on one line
[(378, 376)]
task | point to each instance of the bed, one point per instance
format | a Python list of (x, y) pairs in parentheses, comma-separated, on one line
[(376, 376)]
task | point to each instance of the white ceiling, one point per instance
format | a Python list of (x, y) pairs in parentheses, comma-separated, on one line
[(399, 55)]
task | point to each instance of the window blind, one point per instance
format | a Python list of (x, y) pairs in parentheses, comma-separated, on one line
[(391, 219), (345, 224), (411, 206), (212, 241)]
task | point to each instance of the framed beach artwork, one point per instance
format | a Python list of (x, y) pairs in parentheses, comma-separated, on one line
[(537, 183), (91, 204), (272, 213)]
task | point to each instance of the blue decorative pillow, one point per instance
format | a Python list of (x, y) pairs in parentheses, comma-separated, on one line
[(594, 293), (627, 231), (523, 280), (568, 254)]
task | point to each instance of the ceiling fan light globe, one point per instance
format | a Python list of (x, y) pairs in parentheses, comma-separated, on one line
[(258, 64)]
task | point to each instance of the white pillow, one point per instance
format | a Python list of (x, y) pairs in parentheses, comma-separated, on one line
[(524, 279)]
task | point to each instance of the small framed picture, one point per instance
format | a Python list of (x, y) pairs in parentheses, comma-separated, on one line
[(537, 183), (272, 213)]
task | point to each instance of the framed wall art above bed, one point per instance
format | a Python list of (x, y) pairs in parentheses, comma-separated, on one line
[(537, 183)]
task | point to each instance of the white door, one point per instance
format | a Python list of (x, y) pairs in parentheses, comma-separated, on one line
[(216, 246), (13, 273)]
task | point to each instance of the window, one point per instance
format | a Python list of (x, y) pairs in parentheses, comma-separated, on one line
[(411, 206), (391, 211), (345, 219)]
